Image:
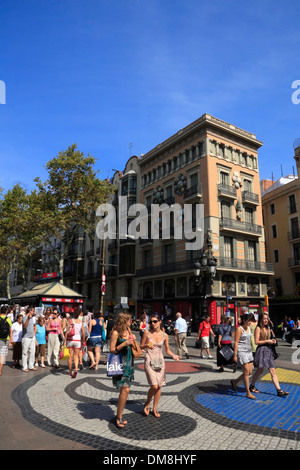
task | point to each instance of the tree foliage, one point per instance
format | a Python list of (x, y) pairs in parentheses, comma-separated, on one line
[(71, 195)]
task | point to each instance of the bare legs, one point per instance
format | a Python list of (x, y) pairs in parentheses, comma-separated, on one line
[(74, 355), (155, 393), (274, 377), (247, 371), (95, 358), (124, 392)]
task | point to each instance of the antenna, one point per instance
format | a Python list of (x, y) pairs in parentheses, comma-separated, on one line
[(281, 170), (130, 146)]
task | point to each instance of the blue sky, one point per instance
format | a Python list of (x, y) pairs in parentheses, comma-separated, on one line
[(107, 73)]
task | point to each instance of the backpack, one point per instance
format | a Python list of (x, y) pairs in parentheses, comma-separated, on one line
[(4, 328)]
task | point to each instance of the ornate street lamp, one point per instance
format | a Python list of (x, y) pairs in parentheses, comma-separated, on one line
[(205, 270)]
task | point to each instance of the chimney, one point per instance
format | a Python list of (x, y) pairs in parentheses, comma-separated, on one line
[(297, 155)]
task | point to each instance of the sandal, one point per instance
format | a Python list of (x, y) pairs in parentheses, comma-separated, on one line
[(146, 408), (156, 414), (253, 389), (120, 424), (281, 393)]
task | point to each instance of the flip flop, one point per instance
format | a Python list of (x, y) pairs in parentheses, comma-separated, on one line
[(146, 408)]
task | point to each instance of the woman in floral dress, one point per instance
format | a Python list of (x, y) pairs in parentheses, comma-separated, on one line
[(152, 342), (120, 343)]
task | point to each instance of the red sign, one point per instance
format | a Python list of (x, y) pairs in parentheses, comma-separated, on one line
[(49, 275), (213, 313), (69, 301)]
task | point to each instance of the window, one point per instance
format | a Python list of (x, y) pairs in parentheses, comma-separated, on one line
[(194, 179), (276, 256), (272, 209), (225, 209), (274, 231), (228, 251), (252, 251), (168, 254), (147, 258), (249, 215), (248, 185), (224, 178), (296, 248), (169, 191), (292, 204), (294, 228)]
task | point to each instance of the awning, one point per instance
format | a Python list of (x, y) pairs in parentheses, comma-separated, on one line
[(50, 292)]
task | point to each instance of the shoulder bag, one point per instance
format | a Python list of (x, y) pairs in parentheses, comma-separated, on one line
[(114, 365)]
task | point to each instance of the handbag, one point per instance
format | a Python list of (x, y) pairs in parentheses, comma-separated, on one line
[(136, 350), (71, 332), (114, 365), (156, 364), (226, 352)]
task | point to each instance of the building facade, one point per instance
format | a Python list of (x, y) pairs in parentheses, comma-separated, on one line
[(213, 163), (281, 213)]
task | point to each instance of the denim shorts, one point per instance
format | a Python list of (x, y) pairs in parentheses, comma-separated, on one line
[(94, 341)]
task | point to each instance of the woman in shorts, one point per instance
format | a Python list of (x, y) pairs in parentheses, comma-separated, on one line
[(94, 343), (73, 341)]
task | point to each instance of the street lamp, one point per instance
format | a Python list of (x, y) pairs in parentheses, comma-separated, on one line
[(205, 270)]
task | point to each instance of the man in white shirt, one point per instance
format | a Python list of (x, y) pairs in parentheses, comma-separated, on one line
[(180, 336)]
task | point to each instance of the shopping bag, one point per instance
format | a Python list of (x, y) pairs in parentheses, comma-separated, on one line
[(64, 353), (114, 365), (85, 356), (226, 352)]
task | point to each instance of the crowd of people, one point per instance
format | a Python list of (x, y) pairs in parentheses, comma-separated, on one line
[(45, 338)]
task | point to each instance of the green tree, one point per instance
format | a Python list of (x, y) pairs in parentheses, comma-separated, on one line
[(21, 232), (71, 195)]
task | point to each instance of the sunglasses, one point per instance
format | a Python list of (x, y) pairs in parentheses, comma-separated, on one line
[(153, 321)]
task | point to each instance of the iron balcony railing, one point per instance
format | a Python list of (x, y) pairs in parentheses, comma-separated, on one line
[(226, 190), (237, 225), (245, 265), (248, 196)]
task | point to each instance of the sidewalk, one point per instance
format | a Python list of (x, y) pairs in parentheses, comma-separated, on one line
[(47, 409)]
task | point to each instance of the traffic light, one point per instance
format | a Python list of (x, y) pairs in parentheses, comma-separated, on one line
[(267, 300)]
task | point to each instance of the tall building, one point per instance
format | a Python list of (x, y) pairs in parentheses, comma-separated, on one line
[(213, 163), (281, 212)]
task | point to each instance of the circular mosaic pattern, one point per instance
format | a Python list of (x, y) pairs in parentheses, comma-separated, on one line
[(268, 414), (140, 427)]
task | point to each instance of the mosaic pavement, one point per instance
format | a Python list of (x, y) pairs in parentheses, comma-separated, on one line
[(198, 410)]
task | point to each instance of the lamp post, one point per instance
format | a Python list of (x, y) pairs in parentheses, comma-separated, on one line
[(205, 271)]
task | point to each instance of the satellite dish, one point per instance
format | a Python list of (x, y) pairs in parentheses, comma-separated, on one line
[(296, 143)]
